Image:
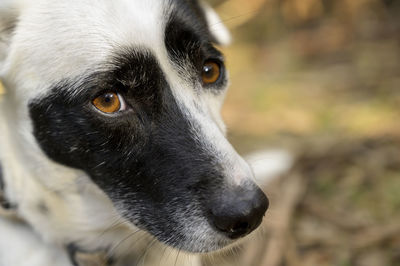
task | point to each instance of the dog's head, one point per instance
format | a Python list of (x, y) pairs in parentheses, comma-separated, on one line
[(129, 91)]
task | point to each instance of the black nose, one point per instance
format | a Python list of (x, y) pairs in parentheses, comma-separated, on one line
[(238, 212)]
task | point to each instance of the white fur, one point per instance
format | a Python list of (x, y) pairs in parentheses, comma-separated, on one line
[(20, 246), (216, 25), (55, 40)]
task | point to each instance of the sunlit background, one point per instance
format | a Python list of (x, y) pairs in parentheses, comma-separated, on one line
[(320, 78)]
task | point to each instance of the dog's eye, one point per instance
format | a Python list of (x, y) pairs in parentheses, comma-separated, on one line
[(109, 102), (211, 72)]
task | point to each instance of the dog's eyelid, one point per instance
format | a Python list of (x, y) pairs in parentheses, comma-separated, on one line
[(123, 103), (212, 52), (218, 58)]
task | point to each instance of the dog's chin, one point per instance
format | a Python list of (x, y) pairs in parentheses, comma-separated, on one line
[(201, 238), (213, 243)]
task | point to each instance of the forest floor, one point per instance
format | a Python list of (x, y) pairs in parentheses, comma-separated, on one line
[(328, 90)]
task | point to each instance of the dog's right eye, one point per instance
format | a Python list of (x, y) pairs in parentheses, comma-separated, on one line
[(109, 103)]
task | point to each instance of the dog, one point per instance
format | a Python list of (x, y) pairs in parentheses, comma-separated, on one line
[(111, 135)]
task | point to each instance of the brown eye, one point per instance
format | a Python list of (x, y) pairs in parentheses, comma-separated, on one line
[(108, 103), (211, 72)]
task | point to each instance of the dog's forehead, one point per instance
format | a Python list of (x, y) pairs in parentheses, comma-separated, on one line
[(56, 40)]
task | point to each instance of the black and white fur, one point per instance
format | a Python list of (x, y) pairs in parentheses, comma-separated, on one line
[(116, 182)]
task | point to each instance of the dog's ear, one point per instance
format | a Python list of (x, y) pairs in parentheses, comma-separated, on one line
[(217, 28), (9, 12)]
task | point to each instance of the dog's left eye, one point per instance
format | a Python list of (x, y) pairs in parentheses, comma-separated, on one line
[(211, 72), (109, 103)]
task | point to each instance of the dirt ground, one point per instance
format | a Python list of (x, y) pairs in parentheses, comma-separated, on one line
[(339, 205), (320, 78)]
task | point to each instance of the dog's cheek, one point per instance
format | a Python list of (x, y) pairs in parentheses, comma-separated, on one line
[(60, 135)]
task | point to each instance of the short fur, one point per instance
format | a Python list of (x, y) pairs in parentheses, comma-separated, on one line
[(130, 184)]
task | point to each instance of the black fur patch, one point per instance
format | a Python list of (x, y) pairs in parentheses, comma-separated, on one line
[(148, 158), (189, 42), (193, 14)]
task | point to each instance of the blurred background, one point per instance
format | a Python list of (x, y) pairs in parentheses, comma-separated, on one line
[(320, 78)]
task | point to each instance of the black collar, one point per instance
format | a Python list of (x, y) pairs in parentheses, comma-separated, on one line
[(4, 203)]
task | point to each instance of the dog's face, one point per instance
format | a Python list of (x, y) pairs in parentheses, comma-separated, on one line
[(130, 93)]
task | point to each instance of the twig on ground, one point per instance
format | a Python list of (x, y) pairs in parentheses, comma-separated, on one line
[(292, 189), (375, 235)]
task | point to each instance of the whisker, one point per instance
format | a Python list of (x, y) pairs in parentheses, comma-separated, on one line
[(176, 260), (162, 255), (170, 252), (123, 240), (235, 17), (143, 256), (113, 225)]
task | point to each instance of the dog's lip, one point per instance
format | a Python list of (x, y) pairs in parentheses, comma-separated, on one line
[(218, 243)]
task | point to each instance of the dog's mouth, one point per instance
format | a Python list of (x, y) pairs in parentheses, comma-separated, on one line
[(214, 223)]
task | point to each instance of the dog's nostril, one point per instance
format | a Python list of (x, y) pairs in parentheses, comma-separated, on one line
[(224, 225), (240, 226)]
